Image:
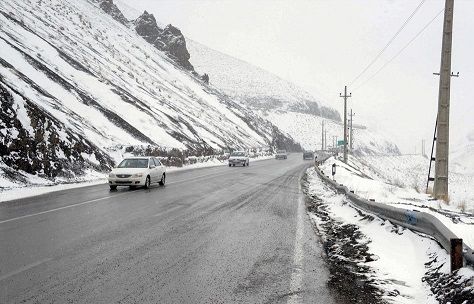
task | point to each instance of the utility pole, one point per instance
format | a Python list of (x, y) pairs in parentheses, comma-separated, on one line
[(442, 139), (351, 134), (322, 135), (345, 96), (325, 139)]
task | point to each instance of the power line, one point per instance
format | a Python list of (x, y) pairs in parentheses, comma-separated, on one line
[(396, 55), (388, 44)]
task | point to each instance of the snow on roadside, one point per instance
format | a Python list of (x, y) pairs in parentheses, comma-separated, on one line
[(371, 183), (412, 170), (397, 255)]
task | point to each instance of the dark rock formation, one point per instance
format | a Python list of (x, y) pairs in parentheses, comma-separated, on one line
[(170, 39), (44, 146), (311, 107), (205, 78), (175, 45), (146, 26), (110, 8)]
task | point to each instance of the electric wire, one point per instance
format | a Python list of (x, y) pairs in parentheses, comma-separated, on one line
[(388, 43), (399, 52)]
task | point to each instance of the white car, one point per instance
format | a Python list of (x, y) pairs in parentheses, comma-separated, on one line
[(138, 171), (239, 158)]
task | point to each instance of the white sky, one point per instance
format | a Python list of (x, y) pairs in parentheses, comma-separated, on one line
[(323, 45)]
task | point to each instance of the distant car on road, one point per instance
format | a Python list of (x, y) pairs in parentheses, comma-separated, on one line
[(281, 154), (239, 158), (138, 171), (308, 155)]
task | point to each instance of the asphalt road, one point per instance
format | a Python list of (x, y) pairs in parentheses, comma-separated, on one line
[(212, 235)]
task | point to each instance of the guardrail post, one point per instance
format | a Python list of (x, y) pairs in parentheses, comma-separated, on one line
[(456, 254)]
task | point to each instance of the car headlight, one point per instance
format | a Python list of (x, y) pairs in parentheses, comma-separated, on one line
[(137, 175), (111, 175)]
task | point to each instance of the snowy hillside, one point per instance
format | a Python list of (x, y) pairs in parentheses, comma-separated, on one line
[(462, 155), (289, 107), (254, 86), (306, 129), (77, 84)]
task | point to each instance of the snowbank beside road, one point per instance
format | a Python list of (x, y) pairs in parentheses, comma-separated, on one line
[(388, 258), (391, 185), (404, 266)]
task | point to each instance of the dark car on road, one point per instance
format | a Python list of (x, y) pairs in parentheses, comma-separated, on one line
[(308, 155), (281, 154)]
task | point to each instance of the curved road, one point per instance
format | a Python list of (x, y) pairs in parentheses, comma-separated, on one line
[(212, 235)]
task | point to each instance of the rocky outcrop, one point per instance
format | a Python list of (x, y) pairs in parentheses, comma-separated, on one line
[(175, 45), (146, 26), (311, 107), (170, 39), (110, 8), (33, 141)]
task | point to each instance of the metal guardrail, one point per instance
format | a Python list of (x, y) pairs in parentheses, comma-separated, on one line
[(412, 219)]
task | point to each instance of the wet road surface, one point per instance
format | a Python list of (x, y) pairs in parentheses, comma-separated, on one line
[(211, 235)]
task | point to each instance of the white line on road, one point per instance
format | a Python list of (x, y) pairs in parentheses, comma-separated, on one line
[(60, 208), (297, 275), (168, 210), (196, 177), (24, 268), (101, 199)]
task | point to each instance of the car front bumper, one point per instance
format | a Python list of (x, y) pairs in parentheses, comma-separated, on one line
[(237, 161), (127, 181)]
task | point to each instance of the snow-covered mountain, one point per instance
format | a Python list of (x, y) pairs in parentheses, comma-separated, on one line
[(78, 82), (289, 107), (253, 86)]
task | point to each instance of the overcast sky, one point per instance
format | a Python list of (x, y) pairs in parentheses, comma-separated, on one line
[(324, 45)]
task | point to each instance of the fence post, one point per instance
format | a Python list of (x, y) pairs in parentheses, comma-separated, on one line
[(456, 254)]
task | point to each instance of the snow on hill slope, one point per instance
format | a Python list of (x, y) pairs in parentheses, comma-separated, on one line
[(290, 108), (254, 86), (306, 129), (76, 84), (462, 155)]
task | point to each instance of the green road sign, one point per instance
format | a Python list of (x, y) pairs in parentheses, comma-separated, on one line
[(340, 143)]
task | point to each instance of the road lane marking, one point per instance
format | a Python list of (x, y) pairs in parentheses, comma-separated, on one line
[(24, 268), (297, 275), (196, 177), (99, 199), (168, 210), (61, 208)]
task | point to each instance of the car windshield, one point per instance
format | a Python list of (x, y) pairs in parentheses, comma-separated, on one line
[(238, 154), (281, 151), (134, 163)]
